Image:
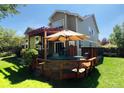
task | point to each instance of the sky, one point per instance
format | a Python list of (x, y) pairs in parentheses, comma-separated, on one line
[(37, 15)]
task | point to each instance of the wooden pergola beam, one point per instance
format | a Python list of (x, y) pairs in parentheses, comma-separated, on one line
[(40, 31)]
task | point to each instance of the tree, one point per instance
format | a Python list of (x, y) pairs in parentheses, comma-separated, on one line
[(104, 41), (9, 39), (8, 9), (117, 37)]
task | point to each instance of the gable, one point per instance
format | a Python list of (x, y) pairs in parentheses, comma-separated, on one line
[(94, 20), (57, 16), (28, 30), (64, 12)]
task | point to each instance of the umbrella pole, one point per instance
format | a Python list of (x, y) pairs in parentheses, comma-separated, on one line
[(66, 46)]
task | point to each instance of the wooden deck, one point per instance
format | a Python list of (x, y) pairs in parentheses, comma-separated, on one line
[(65, 69)]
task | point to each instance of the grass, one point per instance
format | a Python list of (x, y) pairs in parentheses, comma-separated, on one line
[(110, 74)]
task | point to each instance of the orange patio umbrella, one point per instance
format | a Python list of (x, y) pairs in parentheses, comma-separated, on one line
[(67, 35)]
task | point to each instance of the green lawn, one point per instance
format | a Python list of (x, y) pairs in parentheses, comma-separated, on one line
[(109, 74)]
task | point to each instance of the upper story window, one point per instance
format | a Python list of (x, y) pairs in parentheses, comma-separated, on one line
[(58, 23), (91, 31)]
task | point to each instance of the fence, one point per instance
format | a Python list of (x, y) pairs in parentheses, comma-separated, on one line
[(119, 52), (99, 51), (93, 51)]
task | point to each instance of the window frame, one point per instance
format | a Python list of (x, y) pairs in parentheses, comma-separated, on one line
[(60, 21)]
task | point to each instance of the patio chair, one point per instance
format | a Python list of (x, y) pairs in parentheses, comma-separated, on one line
[(80, 72), (88, 64)]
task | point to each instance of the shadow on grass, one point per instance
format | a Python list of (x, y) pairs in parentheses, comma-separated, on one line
[(13, 60), (100, 60), (16, 73), (18, 76), (91, 81)]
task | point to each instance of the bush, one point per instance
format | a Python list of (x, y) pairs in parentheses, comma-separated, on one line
[(4, 54), (29, 55), (17, 51)]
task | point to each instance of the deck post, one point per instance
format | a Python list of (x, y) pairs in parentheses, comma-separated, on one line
[(45, 45), (92, 52)]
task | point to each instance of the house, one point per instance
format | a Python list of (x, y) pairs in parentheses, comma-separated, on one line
[(70, 21), (82, 24), (26, 45)]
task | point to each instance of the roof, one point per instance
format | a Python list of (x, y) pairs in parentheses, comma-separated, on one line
[(40, 31), (29, 29), (94, 19), (65, 12), (70, 13)]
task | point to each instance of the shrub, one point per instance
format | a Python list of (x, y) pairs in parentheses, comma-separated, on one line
[(29, 55), (17, 51), (3, 54)]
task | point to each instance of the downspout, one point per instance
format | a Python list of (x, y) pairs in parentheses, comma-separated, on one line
[(77, 42), (65, 22)]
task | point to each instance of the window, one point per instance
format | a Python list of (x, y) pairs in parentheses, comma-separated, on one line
[(37, 46), (91, 31), (72, 43), (26, 41), (37, 38), (90, 44), (81, 44), (37, 42), (58, 23), (42, 43), (58, 47), (26, 46)]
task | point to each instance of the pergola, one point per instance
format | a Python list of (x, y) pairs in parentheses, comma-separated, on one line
[(43, 31)]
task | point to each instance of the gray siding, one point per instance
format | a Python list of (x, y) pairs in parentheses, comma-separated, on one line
[(57, 16), (71, 24), (83, 27)]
